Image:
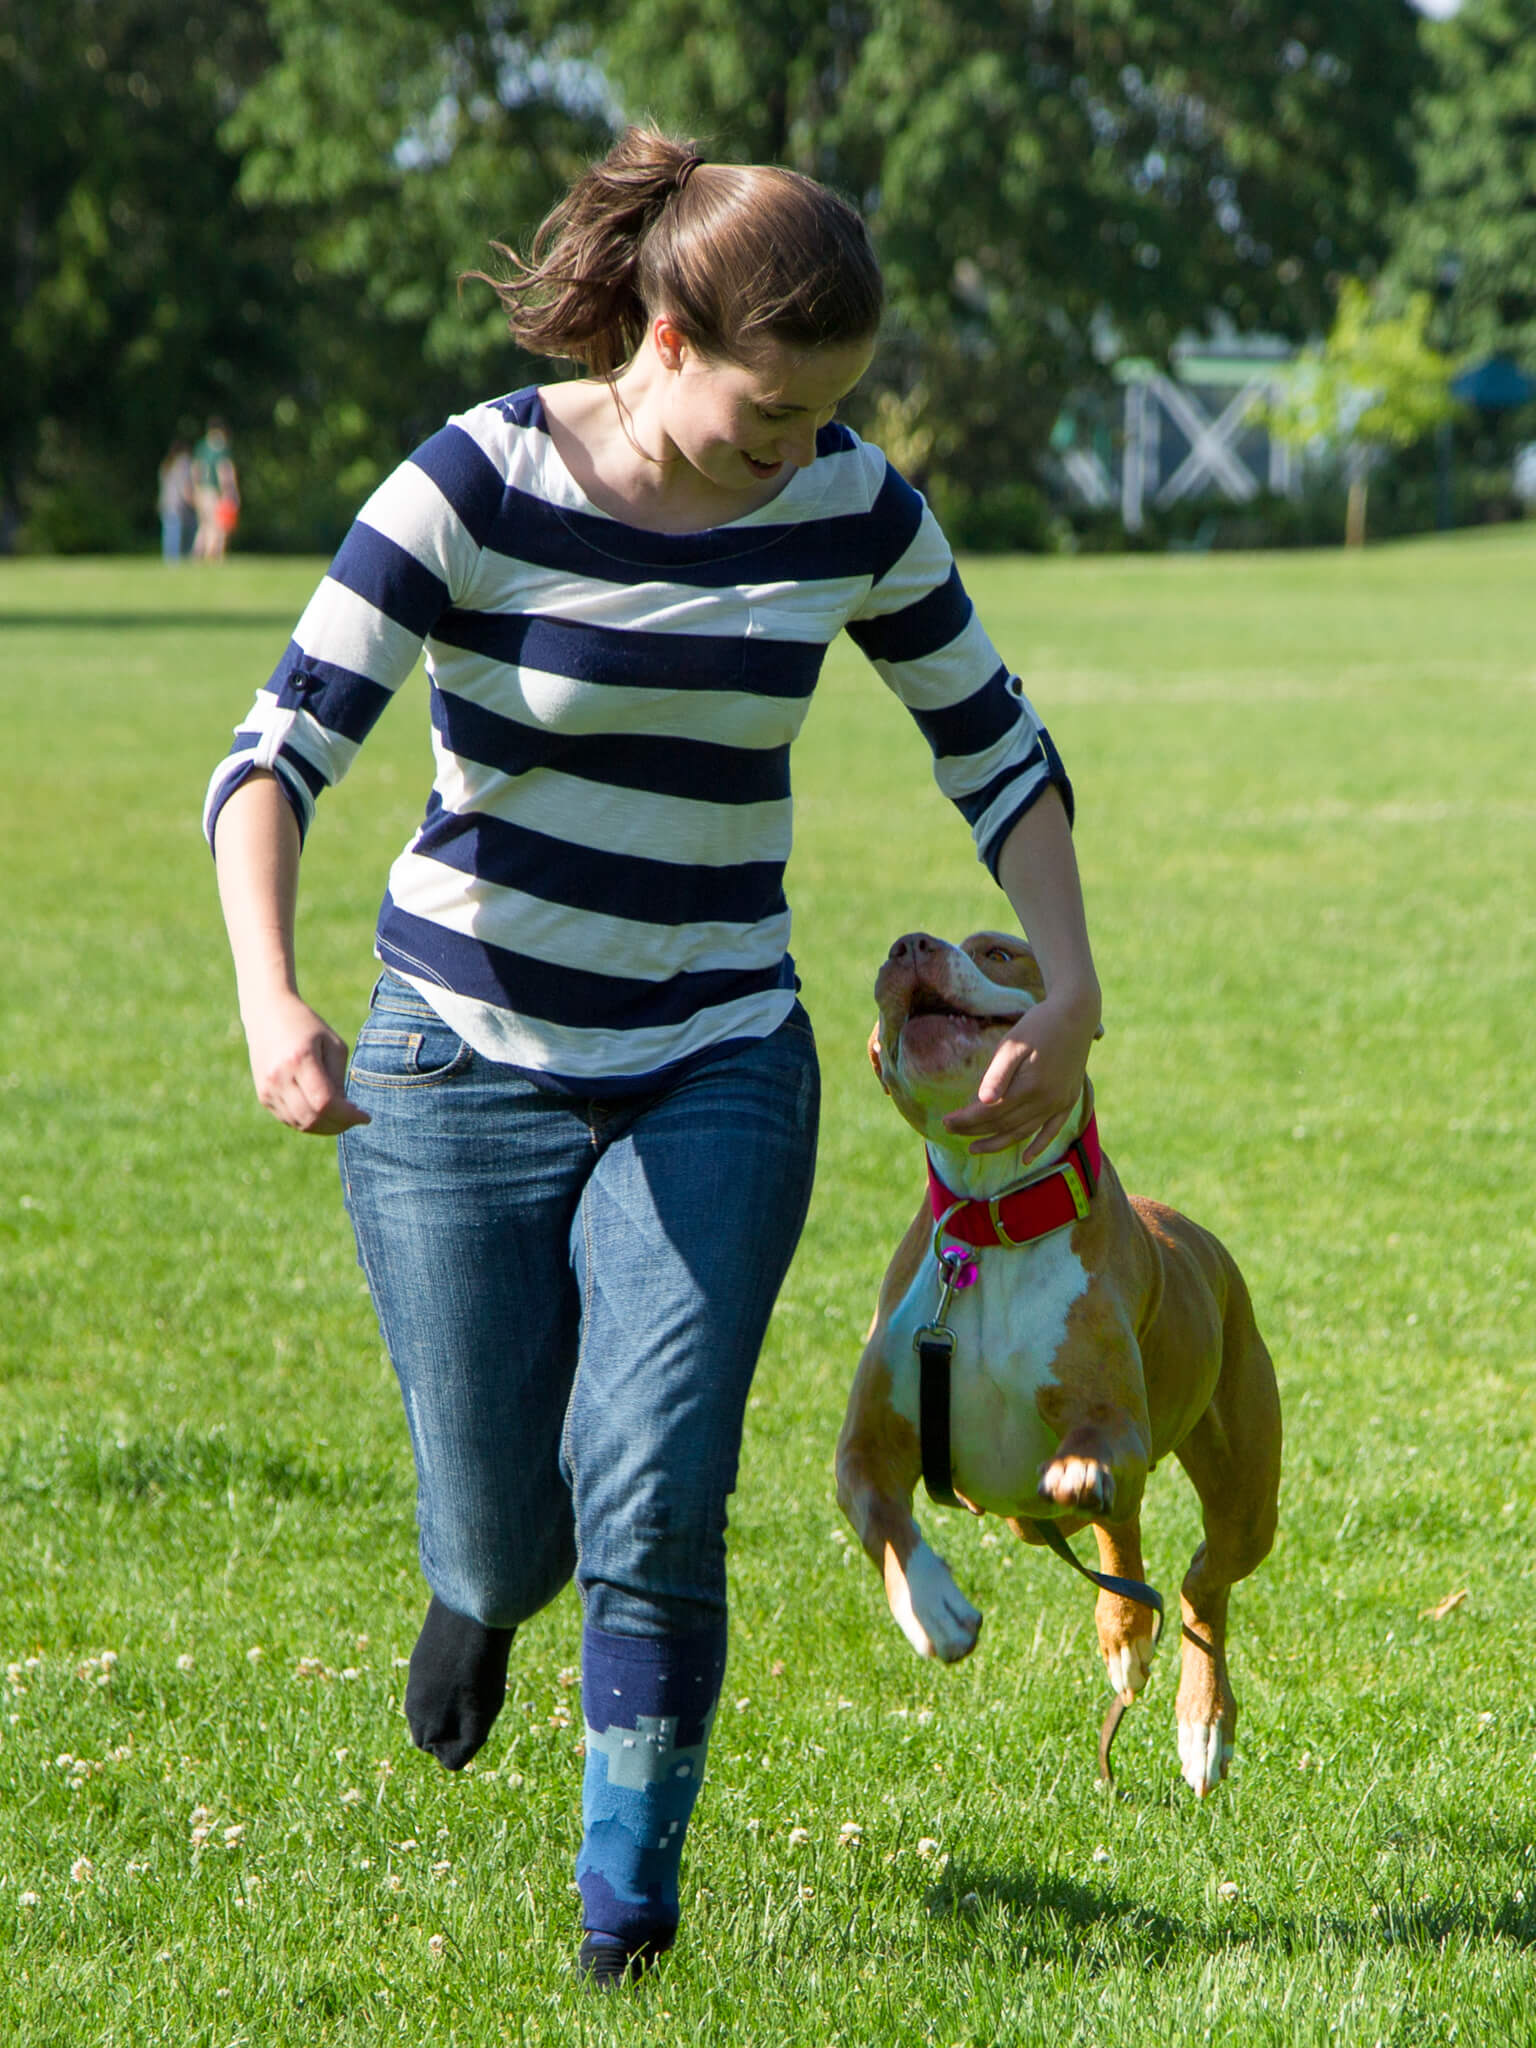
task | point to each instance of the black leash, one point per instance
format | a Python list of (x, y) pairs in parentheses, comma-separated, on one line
[(935, 1347)]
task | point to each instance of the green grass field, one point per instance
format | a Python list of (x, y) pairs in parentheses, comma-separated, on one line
[(1307, 825)]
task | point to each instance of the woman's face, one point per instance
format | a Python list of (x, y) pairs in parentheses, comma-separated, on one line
[(742, 426)]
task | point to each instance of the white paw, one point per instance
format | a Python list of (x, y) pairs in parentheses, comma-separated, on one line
[(1078, 1483), (935, 1616), (1204, 1754), (1130, 1666)]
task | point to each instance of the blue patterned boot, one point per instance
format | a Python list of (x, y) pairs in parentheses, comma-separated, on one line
[(648, 1703)]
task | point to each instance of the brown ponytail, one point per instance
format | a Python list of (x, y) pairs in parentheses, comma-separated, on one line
[(739, 256)]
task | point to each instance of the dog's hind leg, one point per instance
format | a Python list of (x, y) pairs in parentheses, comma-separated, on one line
[(1232, 1455)]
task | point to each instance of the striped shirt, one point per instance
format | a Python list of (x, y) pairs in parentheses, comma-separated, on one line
[(595, 894)]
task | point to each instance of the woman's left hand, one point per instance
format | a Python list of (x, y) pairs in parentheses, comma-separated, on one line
[(1034, 1080)]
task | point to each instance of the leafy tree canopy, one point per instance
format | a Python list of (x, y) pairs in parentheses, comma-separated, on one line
[(1377, 383), (138, 298), (1471, 231), (263, 207), (1044, 175)]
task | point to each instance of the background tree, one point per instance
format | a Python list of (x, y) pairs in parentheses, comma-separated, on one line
[(262, 207), (1376, 384), (139, 297), (1470, 231), (393, 143), (1051, 178)]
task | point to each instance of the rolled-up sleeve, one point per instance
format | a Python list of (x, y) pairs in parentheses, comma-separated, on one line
[(992, 756), (413, 545)]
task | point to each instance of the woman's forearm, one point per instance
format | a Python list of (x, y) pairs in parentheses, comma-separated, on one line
[(1038, 872), (256, 854), (298, 1063)]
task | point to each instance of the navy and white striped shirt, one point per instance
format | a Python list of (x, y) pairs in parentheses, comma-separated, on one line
[(596, 891)]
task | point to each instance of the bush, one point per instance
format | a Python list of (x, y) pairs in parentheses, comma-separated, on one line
[(1006, 519)]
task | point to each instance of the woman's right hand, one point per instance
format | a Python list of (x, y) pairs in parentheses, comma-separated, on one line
[(299, 1066), (298, 1063)]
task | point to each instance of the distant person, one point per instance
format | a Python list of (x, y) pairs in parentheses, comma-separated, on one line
[(216, 489), (178, 509)]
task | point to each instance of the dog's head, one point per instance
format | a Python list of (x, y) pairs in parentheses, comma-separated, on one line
[(943, 1012)]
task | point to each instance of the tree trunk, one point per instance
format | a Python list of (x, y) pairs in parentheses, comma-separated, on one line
[(1354, 517)]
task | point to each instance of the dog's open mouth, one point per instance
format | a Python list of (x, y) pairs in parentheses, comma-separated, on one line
[(938, 1028), (927, 1002)]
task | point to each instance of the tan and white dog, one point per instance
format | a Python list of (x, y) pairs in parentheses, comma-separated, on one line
[(1080, 1358)]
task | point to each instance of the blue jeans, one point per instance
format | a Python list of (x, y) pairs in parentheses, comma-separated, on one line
[(574, 1294)]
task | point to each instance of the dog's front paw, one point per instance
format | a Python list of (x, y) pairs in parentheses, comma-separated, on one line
[(1205, 1751), (1073, 1482), (935, 1616), (1129, 1665)]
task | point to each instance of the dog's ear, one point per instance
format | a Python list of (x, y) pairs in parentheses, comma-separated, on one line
[(874, 1057)]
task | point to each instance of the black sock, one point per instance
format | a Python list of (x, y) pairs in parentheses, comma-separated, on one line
[(457, 1682)]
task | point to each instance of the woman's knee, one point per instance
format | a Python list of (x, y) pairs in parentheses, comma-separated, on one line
[(500, 1589)]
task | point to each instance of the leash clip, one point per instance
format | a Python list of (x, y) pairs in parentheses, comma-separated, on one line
[(957, 1271)]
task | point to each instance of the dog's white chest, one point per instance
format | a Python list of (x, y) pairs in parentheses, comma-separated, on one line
[(1009, 1329)]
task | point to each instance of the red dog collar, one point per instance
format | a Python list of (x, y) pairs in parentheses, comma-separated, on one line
[(1021, 1215)]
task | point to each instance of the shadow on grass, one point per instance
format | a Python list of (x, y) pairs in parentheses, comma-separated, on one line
[(1098, 1930)]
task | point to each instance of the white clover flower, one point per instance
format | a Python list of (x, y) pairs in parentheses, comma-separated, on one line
[(1101, 1854), (798, 1837), (850, 1834), (82, 1869), (1228, 1890), (29, 1899), (435, 1945), (351, 1797), (200, 1835), (198, 1815), (185, 1661), (234, 1834), (394, 1882), (926, 1846), (255, 1654)]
